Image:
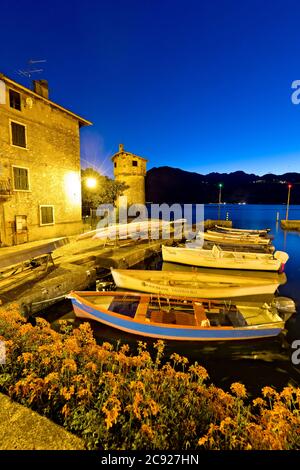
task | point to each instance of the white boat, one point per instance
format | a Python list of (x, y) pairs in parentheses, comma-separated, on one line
[(230, 240), (251, 236), (217, 258), (242, 230), (193, 284)]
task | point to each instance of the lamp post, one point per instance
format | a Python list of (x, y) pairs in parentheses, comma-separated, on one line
[(220, 199), (288, 202)]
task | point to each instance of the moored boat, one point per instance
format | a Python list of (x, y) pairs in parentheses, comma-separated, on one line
[(251, 236), (232, 240), (180, 319), (243, 230), (193, 284), (217, 258)]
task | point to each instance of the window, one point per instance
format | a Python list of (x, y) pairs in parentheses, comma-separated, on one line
[(115, 164), (46, 215), (15, 100), (134, 163), (18, 134), (21, 179)]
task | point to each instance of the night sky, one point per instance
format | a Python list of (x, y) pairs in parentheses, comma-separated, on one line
[(200, 85)]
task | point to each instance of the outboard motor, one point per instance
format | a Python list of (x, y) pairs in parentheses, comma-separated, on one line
[(283, 257), (286, 307)]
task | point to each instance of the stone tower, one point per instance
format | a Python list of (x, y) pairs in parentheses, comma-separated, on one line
[(131, 169)]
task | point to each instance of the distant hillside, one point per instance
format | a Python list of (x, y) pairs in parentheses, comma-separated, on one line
[(166, 184)]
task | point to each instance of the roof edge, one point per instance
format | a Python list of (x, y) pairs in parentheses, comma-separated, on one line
[(128, 153), (81, 120)]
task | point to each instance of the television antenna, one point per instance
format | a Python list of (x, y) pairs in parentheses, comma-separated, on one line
[(32, 68)]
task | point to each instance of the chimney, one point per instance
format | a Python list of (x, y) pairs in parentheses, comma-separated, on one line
[(121, 148), (41, 88)]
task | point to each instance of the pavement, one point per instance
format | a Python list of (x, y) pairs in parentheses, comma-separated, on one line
[(24, 429)]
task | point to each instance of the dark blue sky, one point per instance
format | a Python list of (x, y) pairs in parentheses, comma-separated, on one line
[(200, 85)]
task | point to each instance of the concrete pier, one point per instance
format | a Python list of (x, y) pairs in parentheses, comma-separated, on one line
[(76, 267)]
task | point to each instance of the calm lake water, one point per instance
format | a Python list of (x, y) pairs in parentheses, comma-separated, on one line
[(255, 363)]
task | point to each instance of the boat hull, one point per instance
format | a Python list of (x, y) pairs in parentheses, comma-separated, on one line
[(232, 240), (206, 260), (174, 332), (212, 290)]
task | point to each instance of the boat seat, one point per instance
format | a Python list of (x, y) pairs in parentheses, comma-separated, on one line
[(142, 309), (162, 316), (200, 316), (183, 318)]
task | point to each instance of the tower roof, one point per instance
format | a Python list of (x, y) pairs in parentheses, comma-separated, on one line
[(123, 152)]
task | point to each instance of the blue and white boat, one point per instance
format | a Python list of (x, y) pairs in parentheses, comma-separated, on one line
[(182, 319)]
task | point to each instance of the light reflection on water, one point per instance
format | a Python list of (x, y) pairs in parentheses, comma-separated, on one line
[(256, 363)]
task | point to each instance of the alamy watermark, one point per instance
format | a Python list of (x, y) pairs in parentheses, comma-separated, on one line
[(295, 96), (2, 92), (155, 221), (2, 353), (296, 354)]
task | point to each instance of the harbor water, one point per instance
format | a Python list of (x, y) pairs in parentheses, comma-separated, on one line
[(256, 363)]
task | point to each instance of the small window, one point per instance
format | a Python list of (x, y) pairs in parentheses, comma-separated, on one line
[(21, 179), (46, 215), (18, 134), (134, 163), (115, 164), (15, 100)]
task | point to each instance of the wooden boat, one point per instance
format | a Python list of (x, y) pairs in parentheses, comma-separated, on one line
[(242, 230), (217, 258), (208, 245), (193, 284), (177, 319), (227, 239), (251, 236)]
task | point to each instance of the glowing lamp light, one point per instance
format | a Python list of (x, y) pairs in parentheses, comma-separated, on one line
[(220, 185), (290, 186), (72, 187), (91, 183)]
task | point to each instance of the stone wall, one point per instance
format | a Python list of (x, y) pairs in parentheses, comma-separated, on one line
[(52, 157), (133, 176)]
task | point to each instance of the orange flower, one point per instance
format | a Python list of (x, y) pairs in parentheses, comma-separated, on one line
[(226, 424), (154, 407), (69, 364), (26, 357), (111, 409), (238, 389), (148, 431), (91, 366), (203, 440), (259, 402), (67, 392), (269, 392), (199, 371)]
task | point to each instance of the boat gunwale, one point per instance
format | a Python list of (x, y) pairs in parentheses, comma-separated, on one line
[(74, 294)]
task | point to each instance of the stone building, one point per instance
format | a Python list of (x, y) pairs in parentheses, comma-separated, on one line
[(131, 169), (40, 192)]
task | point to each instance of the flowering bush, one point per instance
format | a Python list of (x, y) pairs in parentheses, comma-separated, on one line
[(117, 400)]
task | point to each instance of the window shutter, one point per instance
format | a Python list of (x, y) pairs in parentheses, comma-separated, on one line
[(18, 134)]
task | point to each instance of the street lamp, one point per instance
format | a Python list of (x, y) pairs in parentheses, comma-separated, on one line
[(220, 198), (90, 182), (288, 201)]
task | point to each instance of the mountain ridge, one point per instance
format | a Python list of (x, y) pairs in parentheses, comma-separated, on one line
[(169, 184)]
